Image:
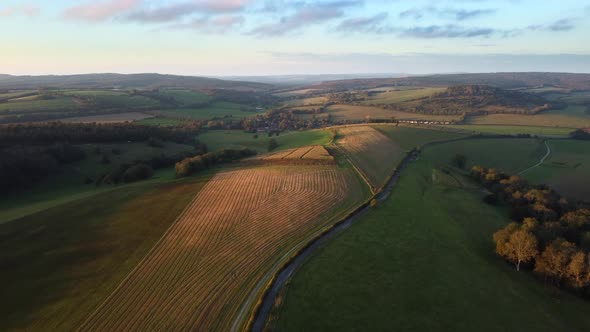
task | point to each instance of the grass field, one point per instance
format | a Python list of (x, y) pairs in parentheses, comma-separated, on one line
[(409, 138), (350, 112), (77, 253), (187, 97), (567, 169), (394, 97), (510, 155), (237, 139), (306, 101), (513, 130), (40, 105), (374, 154), (215, 110), (240, 226), (159, 121), (423, 261), (108, 118)]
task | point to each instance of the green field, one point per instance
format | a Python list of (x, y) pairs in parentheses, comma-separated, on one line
[(394, 97), (237, 139), (423, 261), (514, 130), (574, 116), (40, 105), (77, 253), (409, 138), (510, 155), (215, 110), (187, 97), (567, 169)]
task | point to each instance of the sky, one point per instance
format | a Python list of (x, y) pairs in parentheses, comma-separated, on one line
[(282, 37)]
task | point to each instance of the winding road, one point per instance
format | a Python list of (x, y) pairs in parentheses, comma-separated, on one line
[(540, 162)]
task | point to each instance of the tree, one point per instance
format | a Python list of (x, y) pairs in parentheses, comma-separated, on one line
[(374, 203), (272, 144), (459, 161), (577, 268), (516, 245)]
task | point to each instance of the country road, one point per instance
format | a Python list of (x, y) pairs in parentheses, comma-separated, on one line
[(541, 161)]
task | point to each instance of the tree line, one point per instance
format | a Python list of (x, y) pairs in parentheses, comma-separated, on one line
[(550, 235), (23, 166), (192, 165), (76, 133)]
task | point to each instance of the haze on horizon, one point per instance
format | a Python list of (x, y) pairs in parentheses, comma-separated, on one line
[(281, 37)]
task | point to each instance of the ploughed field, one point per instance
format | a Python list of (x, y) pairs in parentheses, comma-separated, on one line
[(229, 240), (370, 151), (305, 155)]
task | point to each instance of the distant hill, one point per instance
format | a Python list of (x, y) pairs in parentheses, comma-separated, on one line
[(499, 80), (471, 99), (91, 81)]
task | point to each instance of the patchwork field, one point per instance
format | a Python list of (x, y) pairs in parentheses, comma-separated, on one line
[(423, 261), (373, 153), (240, 225)]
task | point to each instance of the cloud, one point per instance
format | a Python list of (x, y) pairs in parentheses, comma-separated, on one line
[(217, 24), (561, 25), (446, 31), (305, 14), (25, 10), (450, 13), (172, 12), (99, 11), (362, 24)]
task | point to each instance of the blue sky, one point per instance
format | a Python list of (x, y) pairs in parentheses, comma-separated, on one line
[(264, 37)]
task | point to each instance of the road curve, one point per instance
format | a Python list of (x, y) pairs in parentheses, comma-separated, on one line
[(287, 270)]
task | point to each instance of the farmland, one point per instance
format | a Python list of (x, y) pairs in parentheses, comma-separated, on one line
[(423, 261), (574, 116), (234, 232), (393, 97), (565, 168), (237, 139), (509, 155), (514, 130), (361, 113), (109, 118), (214, 110), (409, 138), (306, 154), (78, 252), (370, 151)]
